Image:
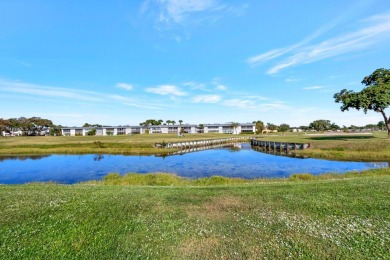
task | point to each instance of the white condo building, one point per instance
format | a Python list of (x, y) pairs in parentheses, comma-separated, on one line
[(162, 129)]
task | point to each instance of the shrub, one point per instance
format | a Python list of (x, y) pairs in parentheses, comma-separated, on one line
[(301, 177)]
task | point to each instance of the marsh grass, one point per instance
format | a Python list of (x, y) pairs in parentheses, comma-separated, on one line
[(344, 218), (364, 147), (167, 179), (122, 144)]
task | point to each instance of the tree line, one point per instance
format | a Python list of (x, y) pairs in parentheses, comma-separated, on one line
[(33, 126), (150, 122)]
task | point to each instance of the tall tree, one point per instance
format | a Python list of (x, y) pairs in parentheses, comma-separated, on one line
[(180, 121), (320, 125), (3, 126), (38, 125), (271, 126), (55, 130), (381, 125), (283, 128), (234, 125), (375, 96), (259, 126), (25, 125)]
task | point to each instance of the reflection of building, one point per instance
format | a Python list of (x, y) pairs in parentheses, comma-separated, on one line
[(162, 129)]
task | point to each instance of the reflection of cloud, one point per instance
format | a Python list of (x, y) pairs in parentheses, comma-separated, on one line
[(166, 90)]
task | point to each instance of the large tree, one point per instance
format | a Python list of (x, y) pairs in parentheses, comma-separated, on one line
[(3, 125), (283, 128), (320, 125), (375, 96), (259, 126)]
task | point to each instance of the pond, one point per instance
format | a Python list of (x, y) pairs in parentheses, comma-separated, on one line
[(239, 160)]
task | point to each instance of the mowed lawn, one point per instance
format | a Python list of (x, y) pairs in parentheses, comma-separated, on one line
[(319, 219)]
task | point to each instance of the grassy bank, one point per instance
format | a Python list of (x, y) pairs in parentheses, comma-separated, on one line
[(365, 147), (124, 144), (344, 218), (369, 147)]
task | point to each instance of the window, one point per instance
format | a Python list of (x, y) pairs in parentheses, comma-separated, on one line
[(121, 131), (66, 131)]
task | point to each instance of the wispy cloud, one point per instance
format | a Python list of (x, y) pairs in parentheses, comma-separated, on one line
[(314, 87), (23, 63), (172, 14), (301, 53), (68, 94), (125, 86), (206, 99), (291, 80), (33, 89), (171, 90), (249, 104), (221, 87), (195, 86)]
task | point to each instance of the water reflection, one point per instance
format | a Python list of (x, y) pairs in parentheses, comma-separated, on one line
[(230, 160), (23, 157), (98, 157), (278, 152)]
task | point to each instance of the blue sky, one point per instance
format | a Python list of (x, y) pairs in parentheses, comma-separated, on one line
[(200, 61)]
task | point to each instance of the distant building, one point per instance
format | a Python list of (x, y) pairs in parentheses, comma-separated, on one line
[(161, 129)]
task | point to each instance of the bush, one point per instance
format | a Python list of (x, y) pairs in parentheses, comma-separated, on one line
[(301, 177)]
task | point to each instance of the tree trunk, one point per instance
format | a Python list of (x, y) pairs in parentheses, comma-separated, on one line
[(387, 122), (388, 130)]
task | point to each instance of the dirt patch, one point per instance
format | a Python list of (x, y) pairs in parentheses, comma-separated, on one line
[(219, 208), (198, 248)]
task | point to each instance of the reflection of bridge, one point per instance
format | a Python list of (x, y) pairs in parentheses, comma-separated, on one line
[(282, 152), (280, 146), (198, 143)]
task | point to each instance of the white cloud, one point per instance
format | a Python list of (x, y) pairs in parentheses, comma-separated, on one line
[(173, 18), (221, 87), (195, 85), (253, 105), (166, 90), (314, 87), (68, 94), (206, 99), (178, 9), (125, 86), (270, 55), (37, 90), (291, 80)]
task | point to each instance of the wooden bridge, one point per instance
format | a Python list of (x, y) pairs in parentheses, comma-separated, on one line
[(198, 143), (271, 145), (197, 149)]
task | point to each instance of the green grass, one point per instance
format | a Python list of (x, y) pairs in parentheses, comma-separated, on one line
[(371, 147), (362, 147), (310, 218), (123, 144)]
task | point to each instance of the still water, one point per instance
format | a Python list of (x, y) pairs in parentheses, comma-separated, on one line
[(238, 161)]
